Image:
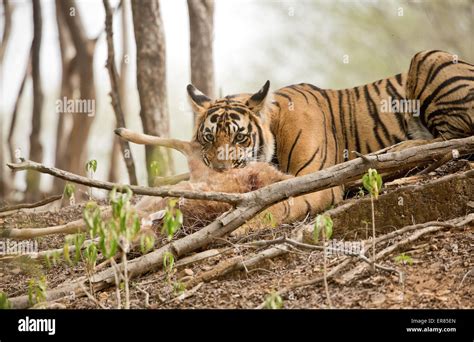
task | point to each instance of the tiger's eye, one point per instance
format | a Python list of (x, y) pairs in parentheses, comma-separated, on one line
[(209, 137), (240, 137)]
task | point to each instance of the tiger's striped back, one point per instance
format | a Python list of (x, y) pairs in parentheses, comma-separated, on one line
[(445, 88), (317, 128)]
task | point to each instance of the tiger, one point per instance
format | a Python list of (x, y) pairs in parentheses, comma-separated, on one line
[(444, 86), (302, 128)]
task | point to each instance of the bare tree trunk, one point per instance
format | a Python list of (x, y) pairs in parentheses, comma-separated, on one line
[(67, 86), (4, 188), (151, 80), (15, 109), (201, 25), (114, 93), (7, 13), (81, 66), (36, 149), (123, 82)]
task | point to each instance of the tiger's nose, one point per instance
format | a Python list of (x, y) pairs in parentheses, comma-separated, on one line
[(219, 166)]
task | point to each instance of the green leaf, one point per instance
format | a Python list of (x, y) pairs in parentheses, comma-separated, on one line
[(91, 165), (4, 302), (404, 259), (69, 190), (323, 222), (273, 301), (372, 182), (155, 168), (146, 243), (168, 261)]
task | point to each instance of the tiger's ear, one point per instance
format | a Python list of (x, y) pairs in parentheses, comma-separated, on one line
[(257, 100), (199, 101)]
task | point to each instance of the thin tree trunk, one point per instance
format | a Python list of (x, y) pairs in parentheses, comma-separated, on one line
[(114, 93), (68, 71), (151, 81), (201, 25), (123, 82), (7, 14), (13, 120), (75, 157), (4, 188), (36, 149)]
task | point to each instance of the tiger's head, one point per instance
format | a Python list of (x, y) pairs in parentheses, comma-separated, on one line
[(233, 130)]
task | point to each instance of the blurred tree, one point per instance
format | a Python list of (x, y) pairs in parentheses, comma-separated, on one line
[(201, 27), (114, 93), (124, 73), (79, 85), (68, 77), (4, 188), (7, 26), (36, 148), (7, 14), (151, 82)]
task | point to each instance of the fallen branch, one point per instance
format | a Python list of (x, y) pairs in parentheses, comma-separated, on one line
[(443, 160), (138, 190), (12, 208), (198, 257), (264, 197)]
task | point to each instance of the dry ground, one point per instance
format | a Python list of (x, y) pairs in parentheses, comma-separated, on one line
[(441, 275)]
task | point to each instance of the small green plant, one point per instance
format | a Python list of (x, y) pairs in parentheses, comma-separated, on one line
[(146, 243), (52, 258), (168, 262), (404, 259), (273, 301), (76, 240), (269, 220), (68, 192), (372, 182), (37, 290), (91, 168), (114, 236), (4, 302), (155, 168), (172, 220), (324, 226), (179, 287)]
